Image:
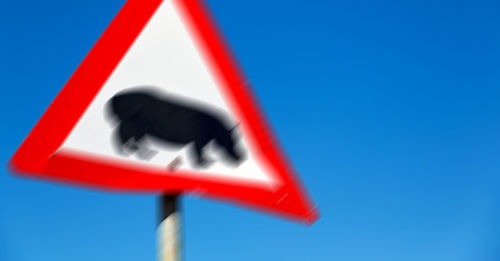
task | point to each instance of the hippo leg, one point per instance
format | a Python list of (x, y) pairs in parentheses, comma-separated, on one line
[(146, 153), (125, 133), (130, 135), (200, 159)]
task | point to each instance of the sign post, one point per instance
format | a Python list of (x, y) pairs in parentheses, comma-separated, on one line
[(169, 231)]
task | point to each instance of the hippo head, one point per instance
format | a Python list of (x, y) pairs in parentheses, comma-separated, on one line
[(230, 145)]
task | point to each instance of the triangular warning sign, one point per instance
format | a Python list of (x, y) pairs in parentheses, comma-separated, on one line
[(159, 105)]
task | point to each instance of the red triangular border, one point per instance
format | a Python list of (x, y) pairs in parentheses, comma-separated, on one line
[(38, 155)]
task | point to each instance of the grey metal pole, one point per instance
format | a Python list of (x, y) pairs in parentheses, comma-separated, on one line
[(169, 229)]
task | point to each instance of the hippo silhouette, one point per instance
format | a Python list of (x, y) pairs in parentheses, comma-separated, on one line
[(144, 113)]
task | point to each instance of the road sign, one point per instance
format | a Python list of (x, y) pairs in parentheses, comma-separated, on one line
[(159, 105)]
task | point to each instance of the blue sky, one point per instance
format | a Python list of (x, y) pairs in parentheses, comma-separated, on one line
[(388, 109)]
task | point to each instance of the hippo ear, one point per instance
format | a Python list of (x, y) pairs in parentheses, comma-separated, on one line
[(234, 130)]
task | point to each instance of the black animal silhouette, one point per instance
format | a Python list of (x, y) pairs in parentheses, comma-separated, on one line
[(143, 112)]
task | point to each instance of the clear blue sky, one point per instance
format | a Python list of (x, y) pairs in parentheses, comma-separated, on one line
[(389, 109)]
